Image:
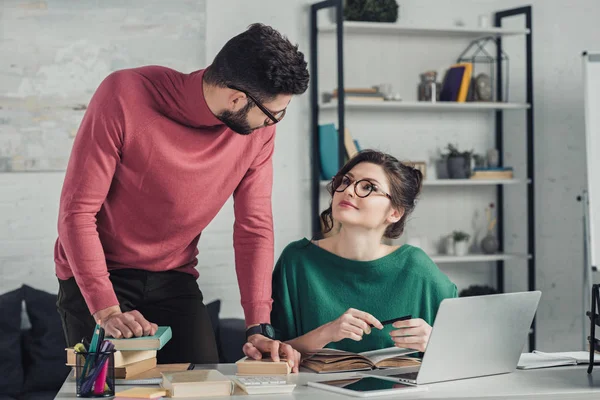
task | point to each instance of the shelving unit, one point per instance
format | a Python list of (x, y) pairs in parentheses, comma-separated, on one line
[(343, 28), (425, 106), (463, 182), (473, 258), (379, 28)]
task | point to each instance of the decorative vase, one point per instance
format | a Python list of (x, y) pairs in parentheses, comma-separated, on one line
[(461, 247), (489, 244), (493, 158), (449, 245), (459, 167), (428, 89)]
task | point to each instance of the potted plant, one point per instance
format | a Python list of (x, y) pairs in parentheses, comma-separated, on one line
[(369, 10), (461, 242), (459, 162)]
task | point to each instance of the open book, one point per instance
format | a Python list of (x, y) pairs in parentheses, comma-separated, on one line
[(331, 360), (539, 359)]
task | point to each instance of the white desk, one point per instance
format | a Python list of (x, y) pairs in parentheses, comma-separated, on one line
[(550, 384)]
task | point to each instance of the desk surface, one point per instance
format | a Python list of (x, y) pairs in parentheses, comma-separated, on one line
[(571, 382)]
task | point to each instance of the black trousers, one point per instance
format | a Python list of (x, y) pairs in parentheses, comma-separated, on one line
[(165, 298)]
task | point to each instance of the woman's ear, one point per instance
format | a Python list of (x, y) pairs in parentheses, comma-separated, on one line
[(395, 215)]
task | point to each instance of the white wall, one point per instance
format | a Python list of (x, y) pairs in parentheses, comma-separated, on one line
[(28, 201)]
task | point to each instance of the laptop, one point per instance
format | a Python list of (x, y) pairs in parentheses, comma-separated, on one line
[(471, 337)]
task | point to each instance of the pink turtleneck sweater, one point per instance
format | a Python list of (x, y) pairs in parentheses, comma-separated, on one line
[(150, 168)]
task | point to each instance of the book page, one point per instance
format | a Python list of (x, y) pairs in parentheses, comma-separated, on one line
[(378, 355)]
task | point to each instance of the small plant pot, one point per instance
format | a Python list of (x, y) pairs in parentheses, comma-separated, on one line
[(459, 167), (461, 248)]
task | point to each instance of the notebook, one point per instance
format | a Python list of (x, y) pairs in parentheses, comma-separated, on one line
[(155, 342), (539, 359), (332, 360)]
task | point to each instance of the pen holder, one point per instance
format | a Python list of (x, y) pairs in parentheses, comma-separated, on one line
[(95, 374)]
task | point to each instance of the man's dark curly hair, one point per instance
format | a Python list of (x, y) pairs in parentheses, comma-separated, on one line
[(260, 61)]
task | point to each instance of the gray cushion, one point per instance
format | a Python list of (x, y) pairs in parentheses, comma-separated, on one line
[(11, 367)]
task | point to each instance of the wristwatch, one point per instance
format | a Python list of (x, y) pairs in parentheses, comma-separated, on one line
[(263, 329)]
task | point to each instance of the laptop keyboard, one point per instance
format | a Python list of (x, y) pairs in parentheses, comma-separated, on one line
[(408, 375)]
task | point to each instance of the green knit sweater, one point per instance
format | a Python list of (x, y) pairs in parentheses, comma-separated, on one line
[(312, 286)]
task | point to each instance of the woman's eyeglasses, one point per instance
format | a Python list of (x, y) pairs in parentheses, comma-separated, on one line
[(362, 188), (273, 118)]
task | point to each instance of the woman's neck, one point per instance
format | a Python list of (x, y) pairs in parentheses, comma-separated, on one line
[(359, 246)]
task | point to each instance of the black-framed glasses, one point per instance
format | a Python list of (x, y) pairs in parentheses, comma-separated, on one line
[(594, 316), (274, 118), (362, 188)]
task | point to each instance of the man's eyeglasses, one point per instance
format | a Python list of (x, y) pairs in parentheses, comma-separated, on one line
[(362, 188), (594, 316), (273, 118)]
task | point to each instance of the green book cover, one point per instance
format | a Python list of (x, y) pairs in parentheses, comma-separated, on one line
[(155, 342)]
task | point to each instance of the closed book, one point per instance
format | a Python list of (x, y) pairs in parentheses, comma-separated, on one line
[(122, 358), (142, 393), (265, 366), (154, 375), (155, 342), (332, 360), (197, 383), (130, 370)]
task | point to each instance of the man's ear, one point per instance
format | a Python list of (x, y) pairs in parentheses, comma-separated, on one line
[(395, 215), (236, 100)]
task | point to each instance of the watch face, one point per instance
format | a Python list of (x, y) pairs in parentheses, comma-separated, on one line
[(270, 332)]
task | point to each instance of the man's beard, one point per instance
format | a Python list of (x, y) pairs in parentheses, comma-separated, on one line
[(238, 121)]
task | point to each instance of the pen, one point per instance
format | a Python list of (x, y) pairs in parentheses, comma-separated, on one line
[(391, 321)]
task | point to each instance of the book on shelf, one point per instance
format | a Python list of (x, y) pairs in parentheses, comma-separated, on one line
[(197, 383), (492, 173), (350, 144), (357, 90), (333, 360), (539, 359), (155, 342), (265, 366), (122, 358), (456, 82)]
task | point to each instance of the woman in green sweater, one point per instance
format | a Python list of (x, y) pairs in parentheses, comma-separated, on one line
[(328, 293)]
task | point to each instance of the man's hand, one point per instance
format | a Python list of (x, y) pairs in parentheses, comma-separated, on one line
[(411, 334), (124, 325), (259, 344)]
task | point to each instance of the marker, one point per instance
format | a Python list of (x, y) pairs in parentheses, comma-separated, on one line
[(391, 321)]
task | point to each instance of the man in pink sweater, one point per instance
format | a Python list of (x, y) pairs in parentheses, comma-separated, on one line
[(157, 155)]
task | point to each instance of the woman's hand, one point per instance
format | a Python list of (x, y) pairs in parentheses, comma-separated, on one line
[(412, 334), (352, 324)]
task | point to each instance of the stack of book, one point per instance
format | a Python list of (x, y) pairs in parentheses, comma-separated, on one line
[(133, 356), (359, 94), (492, 173)]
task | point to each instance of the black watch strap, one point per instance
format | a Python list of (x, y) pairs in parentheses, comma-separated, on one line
[(262, 329)]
